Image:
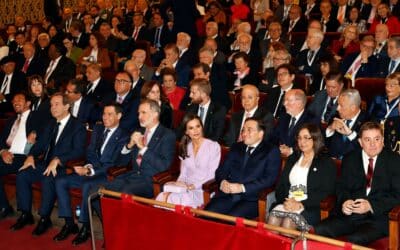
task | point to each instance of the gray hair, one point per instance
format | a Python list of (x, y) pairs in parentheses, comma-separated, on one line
[(353, 95)]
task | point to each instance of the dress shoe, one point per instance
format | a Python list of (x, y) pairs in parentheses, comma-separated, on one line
[(6, 212), (43, 225), (83, 235), (66, 231), (22, 221)]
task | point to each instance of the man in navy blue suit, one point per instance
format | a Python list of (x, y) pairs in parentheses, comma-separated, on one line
[(81, 106), (16, 140), (63, 139), (341, 134), (106, 142), (250, 167), (149, 152)]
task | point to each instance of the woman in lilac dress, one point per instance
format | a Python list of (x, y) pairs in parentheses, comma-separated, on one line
[(199, 159)]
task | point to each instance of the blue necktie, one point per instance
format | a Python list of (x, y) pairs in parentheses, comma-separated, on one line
[(344, 137)]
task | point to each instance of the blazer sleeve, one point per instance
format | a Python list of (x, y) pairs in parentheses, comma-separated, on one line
[(91, 154)]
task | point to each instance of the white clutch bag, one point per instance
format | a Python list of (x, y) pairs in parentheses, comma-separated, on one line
[(174, 187)]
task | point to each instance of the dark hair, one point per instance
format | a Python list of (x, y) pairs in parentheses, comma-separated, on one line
[(333, 64), (316, 136), (335, 76), (203, 85), (100, 39), (126, 73), (370, 126), (65, 99), (60, 48), (146, 88), (117, 107), (25, 95), (168, 72), (206, 69), (183, 151), (79, 85), (260, 123), (242, 55), (291, 69), (76, 25), (41, 81)]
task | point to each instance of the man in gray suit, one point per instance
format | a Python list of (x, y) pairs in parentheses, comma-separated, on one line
[(325, 102)]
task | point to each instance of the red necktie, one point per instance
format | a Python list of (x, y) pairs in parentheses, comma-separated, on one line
[(370, 172), (26, 65), (140, 157)]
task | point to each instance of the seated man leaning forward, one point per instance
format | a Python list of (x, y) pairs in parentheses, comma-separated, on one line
[(250, 166)]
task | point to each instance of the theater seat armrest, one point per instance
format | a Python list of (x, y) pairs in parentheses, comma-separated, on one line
[(113, 172), (77, 162), (210, 186), (262, 196), (326, 206), (394, 214), (164, 177)]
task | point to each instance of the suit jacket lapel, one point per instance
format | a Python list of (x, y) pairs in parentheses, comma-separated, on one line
[(112, 141), (65, 130), (156, 137)]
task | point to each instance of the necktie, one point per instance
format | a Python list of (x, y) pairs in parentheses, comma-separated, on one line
[(279, 106), (53, 142), (348, 122), (13, 131), (310, 56), (201, 113), (139, 157), (4, 85), (135, 33), (26, 65), (49, 71), (157, 38), (291, 25), (119, 99), (89, 88), (247, 156), (370, 172), (391, 67), (329, 109), (291, 125), (103, 140), (340, 16)]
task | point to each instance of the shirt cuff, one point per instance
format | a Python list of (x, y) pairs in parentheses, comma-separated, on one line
[(91, 169), (352, 136), (125, 150), (329, 132), (243, 188)]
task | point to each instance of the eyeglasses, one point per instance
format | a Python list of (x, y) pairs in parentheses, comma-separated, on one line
[(391, 85), (304, 138), (282, 74), (122, 81)]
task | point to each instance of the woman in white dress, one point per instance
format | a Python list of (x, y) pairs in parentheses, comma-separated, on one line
[(200, 158)]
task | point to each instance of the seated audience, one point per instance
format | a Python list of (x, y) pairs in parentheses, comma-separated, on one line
[(269, 80), (243, 73), (326, 64), (385, 16), (73, 51), (353, 18), (152, 90), (367, 190), (39, 98), (250, 166), (341, 134), (82, 107), (308, 178), (199, 159), (385, 106), (106, 143)]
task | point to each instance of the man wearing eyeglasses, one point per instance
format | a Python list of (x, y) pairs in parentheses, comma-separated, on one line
[(123, 95)]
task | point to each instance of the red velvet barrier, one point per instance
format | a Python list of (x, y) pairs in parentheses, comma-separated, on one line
[(130, 225)]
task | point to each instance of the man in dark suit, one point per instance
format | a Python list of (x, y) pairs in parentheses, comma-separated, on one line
[(63, 139), (250, 98), (139, 57), (212, 31), (296, 21), (267, 36), (341, 134), (368, 189), (381, 41), (10, 42), (60, 69), (325, 101), (186, 53), (311, 9), (29, 63), (363, 64), (137, 81), (149, 152), (112, 43), (340, 11), (172, 60), (269, 80), (82, 107), (285, 131), (329, 22), (307, 61), (250, 167), (81, 11), (98, 87), (12, 82), (81, 39), (16, 139), (211, 113), (285, 74), (391, 63), (138, 31), (123, 94), (282, 11), (159, 36), (106, 143), (217, 78)]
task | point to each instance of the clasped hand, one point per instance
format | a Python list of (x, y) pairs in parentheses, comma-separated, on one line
[(230, 188), (358, 206)]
